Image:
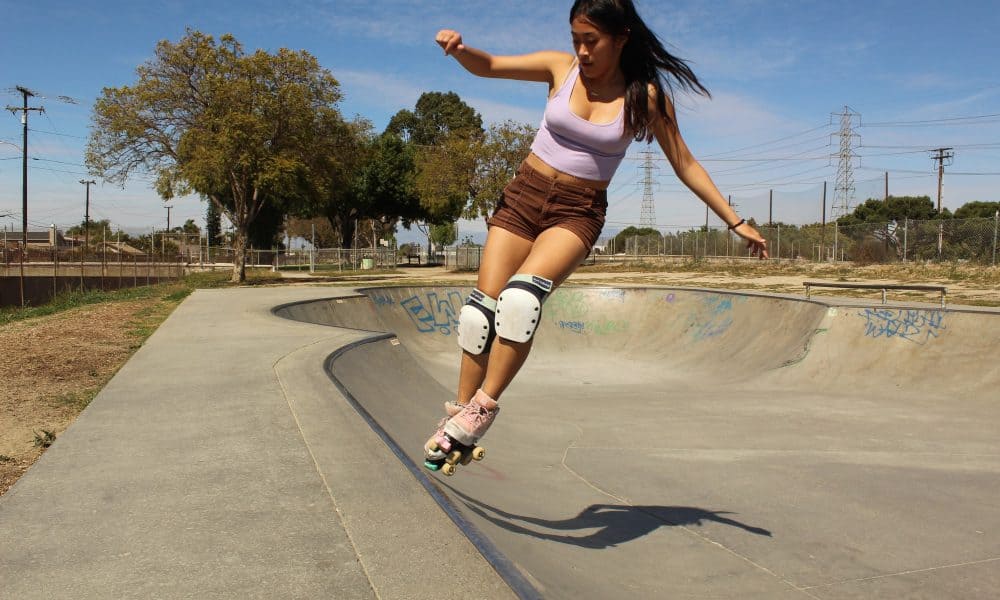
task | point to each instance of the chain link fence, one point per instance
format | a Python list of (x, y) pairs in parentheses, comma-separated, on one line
[(327, 259), (970, 240)]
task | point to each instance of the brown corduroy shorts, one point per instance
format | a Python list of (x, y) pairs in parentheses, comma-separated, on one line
[(534, 202)]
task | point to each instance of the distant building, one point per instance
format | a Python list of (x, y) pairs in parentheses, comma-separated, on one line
[(119, 248), (46, 238)]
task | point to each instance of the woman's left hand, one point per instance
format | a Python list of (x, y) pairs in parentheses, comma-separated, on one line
[(755, 241)]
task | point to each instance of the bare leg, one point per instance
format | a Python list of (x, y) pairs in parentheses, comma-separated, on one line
[(503, 254), (555, 255)]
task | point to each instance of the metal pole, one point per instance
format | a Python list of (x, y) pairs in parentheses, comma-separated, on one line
[(836, 239), (996, 222), (822, 243), (906, 234), (779, 244), (86, 213)]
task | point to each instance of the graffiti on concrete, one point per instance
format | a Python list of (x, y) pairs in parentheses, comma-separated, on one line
[(918, 326), (432, 311), (714, 317), (615, 294), (570, 310), (566, 305), (594, 327), (382, 299)]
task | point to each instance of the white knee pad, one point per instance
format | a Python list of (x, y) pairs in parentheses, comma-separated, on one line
[(475, 323), (519, 308)]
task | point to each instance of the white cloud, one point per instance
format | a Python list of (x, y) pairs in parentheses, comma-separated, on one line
[(730, 115)]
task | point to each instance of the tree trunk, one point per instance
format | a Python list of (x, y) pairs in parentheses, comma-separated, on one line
[(344, 225), (240, 255)]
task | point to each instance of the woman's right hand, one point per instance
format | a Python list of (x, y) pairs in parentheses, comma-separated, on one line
[(451, 41)]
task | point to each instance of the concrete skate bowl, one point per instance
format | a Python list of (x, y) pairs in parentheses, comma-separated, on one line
[(681, 443)]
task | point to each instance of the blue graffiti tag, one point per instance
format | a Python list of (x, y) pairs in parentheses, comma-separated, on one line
[(714, 318), (613, 294), (595, 327), (382, 300), (436, 314), (917, 326), (574, 326)]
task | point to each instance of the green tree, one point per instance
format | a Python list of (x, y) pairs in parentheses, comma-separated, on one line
[(444, 234), (326, 237), (497, 157), (241, 129), (636, 240), (213, 223), (443, 131), (189, 227), (977, 210), (436, 116), (97, 230), (384, 186), (898, 208), (342, 149)]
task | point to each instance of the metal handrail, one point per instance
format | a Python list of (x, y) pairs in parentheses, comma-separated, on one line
[(879, 286)]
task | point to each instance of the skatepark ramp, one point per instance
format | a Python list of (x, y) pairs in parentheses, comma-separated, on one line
[(689, 443)]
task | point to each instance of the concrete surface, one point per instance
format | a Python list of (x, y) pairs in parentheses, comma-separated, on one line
[(660, 443), (221, 462), (695, 444)]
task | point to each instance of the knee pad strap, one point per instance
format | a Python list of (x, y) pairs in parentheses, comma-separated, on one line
[(519, 307), (476, 328)]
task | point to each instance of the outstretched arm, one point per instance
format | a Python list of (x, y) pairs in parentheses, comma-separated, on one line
[(694, 176), (537, 66)]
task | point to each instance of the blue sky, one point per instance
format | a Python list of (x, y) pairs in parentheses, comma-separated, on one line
[(778, 71)]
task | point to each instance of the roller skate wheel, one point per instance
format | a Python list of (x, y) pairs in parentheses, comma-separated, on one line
[(454, 457), (479, 453), (448, 469), (466, 458)]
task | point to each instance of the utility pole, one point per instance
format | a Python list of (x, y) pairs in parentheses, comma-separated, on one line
[(24, 110), (86, 215), (163, 238), (942, 155)]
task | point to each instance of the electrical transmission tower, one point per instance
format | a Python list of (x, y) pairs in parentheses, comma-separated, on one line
[(843, 199), (647, 217)]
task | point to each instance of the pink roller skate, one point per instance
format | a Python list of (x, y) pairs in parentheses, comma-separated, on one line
[(456, 437)]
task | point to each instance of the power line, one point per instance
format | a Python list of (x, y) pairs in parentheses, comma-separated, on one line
[(768, 143), (79, 137), (973, 120)]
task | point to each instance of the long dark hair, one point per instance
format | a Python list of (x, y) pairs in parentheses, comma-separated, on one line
[(644, 61)]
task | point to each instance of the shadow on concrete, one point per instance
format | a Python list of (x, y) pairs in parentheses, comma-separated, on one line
[(615, 523)]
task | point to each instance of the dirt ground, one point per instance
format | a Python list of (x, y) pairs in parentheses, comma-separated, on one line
[(53, 366)]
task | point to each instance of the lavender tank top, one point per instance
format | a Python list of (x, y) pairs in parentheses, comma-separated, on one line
[(571, 144)]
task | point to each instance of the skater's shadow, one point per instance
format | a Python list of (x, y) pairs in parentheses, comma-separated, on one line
[(614, 523)]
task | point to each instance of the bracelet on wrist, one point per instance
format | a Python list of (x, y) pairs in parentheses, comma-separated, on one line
[(735, 225)]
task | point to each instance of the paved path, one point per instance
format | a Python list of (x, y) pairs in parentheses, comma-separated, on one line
[(217, 464)]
